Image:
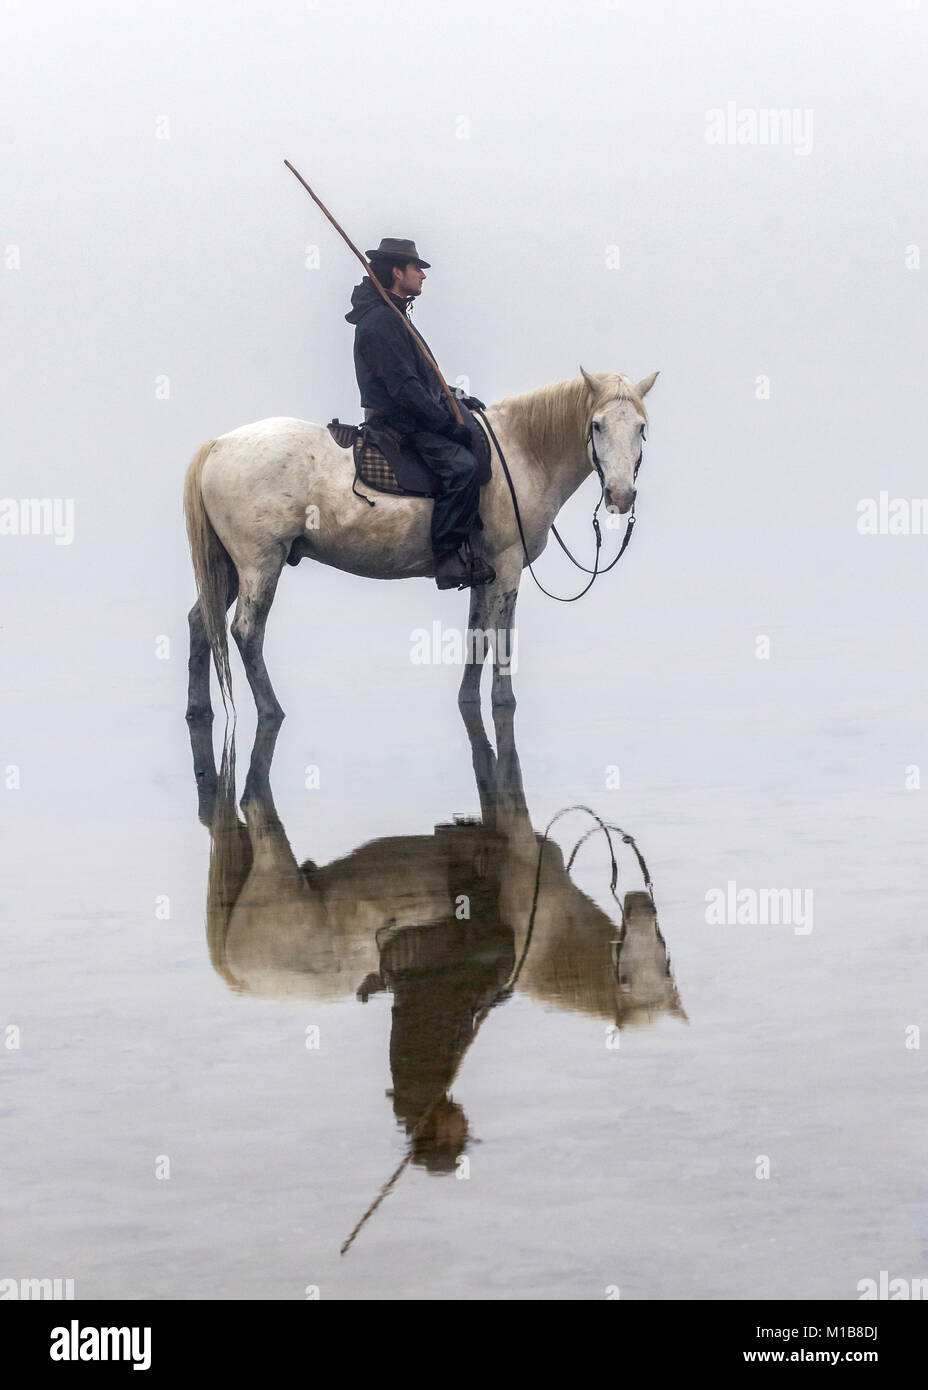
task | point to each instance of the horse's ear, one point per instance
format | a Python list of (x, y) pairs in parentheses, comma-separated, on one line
[(644, 386), (591, 382)]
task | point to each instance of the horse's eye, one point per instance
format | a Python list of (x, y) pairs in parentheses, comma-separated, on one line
[(597, 425)]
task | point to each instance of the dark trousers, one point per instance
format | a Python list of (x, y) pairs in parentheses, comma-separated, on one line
[(456, 511)]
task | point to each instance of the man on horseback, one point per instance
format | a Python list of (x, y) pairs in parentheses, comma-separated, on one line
[(399, 389)]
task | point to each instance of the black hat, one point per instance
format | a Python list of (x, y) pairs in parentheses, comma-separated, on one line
[(393, 248)]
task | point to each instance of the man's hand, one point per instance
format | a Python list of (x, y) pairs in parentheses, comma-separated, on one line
[(472, 402), (460, 434)]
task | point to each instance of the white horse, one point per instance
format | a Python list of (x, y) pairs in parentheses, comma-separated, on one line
[(281, 489)]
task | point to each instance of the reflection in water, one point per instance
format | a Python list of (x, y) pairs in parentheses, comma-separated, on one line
[(450, 924)]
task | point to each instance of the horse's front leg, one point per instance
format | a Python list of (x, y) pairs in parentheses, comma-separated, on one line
[(475, 651), (501, 604)]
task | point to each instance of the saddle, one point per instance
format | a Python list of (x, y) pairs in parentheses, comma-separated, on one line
[(386, 462)]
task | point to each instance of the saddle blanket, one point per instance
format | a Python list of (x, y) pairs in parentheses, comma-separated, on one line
[(385, 462)]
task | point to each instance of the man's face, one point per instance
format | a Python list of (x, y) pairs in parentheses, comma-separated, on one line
[(408, 279)]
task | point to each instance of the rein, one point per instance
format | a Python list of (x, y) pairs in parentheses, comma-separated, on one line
[(601, 825), (595, 572)]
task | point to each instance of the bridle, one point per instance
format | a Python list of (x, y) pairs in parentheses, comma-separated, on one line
[(594, 458), (595, 572), (606, 827)]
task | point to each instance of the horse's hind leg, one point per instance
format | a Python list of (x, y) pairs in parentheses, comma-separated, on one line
[(199, 706), (256, 589), (204, 769)]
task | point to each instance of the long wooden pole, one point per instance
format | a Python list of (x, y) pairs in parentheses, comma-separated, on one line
[(452, 400)]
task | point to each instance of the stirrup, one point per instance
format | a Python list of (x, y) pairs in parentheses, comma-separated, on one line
[(480, 570), (459, 578)]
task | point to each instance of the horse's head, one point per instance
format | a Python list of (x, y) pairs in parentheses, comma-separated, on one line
[(646, 987), (615, 436)]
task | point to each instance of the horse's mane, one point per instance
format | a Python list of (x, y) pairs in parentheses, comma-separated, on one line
[(554, 418)]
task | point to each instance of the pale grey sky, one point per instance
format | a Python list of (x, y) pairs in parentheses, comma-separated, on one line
[(142, 257)]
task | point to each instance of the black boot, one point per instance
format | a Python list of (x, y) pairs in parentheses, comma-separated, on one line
[(462, 569), (452, 571)]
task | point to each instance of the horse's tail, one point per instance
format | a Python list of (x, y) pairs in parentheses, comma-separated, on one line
[(213, 568), (230, 861)]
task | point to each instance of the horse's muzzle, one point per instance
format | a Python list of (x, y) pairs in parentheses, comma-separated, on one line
[(621, 502)]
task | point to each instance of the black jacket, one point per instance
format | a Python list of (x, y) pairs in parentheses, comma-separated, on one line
[(393, 376)]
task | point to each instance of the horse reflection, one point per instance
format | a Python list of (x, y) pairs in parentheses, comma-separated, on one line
[(450, 924)]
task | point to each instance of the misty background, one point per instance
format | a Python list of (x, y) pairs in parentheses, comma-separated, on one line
[(143, 258), (151, 233)]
